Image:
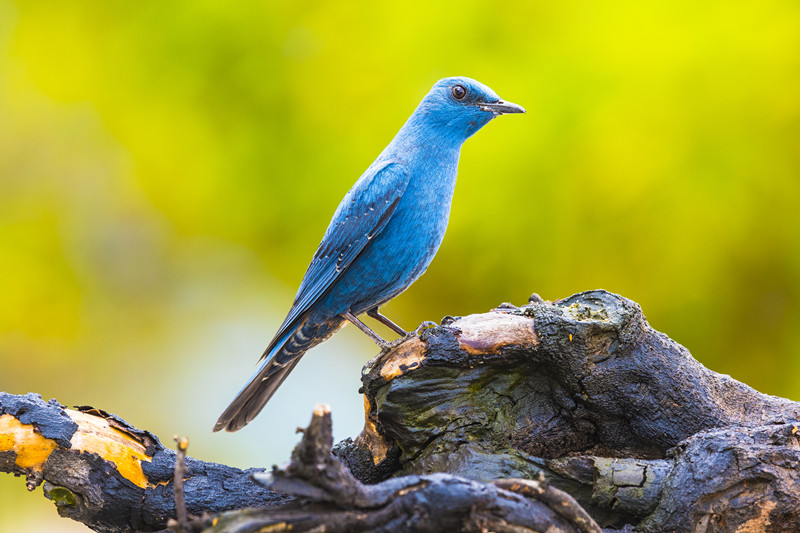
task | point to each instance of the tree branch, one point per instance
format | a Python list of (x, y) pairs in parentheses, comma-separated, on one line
[(519, 410), (101, 471), (582, 390), (422, 504)]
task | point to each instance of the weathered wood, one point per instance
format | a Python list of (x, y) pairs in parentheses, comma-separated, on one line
[(484, 423), (434, 503), (732, 479), (582, 390), (101, 471)]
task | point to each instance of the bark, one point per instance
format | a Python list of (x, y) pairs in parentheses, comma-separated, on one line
[(332, 497), (584, 391), (101, 471), (494, 418)]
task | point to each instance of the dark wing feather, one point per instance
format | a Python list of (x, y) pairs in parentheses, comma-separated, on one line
[(361, 215)]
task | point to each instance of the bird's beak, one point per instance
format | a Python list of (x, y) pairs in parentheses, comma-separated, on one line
[(501, 108)]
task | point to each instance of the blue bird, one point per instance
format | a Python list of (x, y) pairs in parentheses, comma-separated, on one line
[(382, 237)]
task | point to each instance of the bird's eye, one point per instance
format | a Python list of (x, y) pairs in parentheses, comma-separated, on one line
[(459, 92)]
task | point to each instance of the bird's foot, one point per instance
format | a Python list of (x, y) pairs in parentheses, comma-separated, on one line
[(426, 325), (388, 346), (376, 361)]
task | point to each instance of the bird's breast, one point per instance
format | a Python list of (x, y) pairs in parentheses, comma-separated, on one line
[(404, 248)]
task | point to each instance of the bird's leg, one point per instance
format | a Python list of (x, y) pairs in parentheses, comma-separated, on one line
[(386, 322), (363, 327), (427, 324)]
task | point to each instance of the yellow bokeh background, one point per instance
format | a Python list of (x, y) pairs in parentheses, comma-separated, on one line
[(168, 168)]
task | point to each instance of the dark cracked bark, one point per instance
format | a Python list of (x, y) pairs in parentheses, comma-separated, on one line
[(113, 477), (485, 423), (330, 499), (586, 392), (101, 471)]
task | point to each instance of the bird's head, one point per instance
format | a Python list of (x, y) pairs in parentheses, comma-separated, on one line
[(461, 106)]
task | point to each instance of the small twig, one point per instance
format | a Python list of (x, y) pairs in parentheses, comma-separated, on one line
[(559, 501), (182, 522), (331, 499), (311, 456)]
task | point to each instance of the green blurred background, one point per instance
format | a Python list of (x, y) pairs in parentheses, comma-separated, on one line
[(168, 169)]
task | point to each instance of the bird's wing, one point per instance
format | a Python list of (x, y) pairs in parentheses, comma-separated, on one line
[(362, 214)]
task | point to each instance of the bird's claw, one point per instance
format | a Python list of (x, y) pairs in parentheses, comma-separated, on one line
[(376, 361), (387, 346), (426, 325)]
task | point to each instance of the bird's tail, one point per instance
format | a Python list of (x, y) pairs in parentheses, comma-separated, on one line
[(278, 361)]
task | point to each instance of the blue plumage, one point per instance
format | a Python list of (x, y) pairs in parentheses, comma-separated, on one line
[(382, 237)]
